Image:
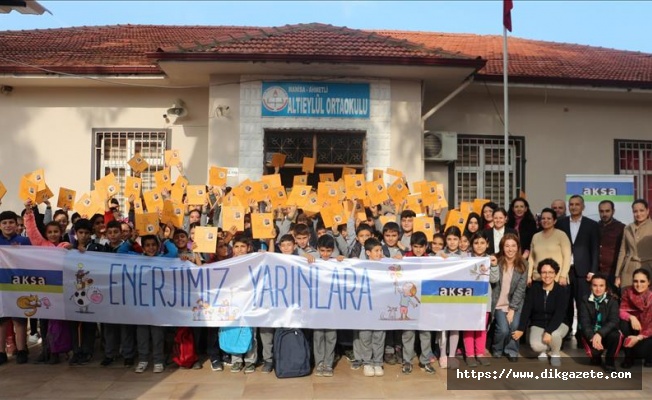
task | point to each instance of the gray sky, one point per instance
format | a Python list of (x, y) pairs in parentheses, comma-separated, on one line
[(615, 24)]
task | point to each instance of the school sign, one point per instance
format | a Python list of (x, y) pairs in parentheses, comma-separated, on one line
[(260, 289)]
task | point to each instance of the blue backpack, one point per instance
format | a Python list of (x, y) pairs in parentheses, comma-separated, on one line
[(236, 339), (291, 353)]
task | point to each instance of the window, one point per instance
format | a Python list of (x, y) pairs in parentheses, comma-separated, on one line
[(332, 150), (479, 169), (635, 158), (115, 147)]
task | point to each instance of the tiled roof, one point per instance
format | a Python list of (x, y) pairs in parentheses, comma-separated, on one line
[(135, 49), (538, 61)]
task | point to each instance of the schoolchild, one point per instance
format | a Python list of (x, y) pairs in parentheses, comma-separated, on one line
[(372, 342), (419, 245), (150, 245)]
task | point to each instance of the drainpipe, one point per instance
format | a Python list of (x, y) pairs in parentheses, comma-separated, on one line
[(448, 98)]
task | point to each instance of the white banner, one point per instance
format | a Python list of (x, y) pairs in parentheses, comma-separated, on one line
[(260, 289)]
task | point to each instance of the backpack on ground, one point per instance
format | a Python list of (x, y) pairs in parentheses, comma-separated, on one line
[(183, 352), (236, 339), (291, 353), (59, 338)]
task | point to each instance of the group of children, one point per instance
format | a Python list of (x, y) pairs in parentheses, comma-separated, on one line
[(299, 235)]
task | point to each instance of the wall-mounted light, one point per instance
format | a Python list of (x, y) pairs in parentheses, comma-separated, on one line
[(222, 111)]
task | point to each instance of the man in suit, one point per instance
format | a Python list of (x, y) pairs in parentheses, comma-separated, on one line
[(584, 235)]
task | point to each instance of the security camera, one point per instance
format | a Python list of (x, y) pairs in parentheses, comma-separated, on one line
[(6, 89)]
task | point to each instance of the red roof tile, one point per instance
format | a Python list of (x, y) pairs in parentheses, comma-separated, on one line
[(124, 49)]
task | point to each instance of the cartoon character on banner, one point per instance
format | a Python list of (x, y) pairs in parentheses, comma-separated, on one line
[(203, 311), (408, 298), (31, 304), (85, 294), (479, 270), (395, 273)]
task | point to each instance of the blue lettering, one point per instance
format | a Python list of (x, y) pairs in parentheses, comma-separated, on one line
[(349, 291), (196, 282), (174, 287), (111, 283), (307, 281), (365, 288), (281, 289), (267, 287), (326, 307), (335, 288), (142, 284), (131, 279), (158, 288), (217, 295)]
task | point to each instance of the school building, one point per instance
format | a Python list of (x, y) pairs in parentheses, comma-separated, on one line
[(79, 102)]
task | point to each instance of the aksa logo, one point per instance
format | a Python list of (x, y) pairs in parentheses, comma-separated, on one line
[(275, 99)]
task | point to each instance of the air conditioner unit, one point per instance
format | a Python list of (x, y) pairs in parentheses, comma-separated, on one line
[(439, 146)]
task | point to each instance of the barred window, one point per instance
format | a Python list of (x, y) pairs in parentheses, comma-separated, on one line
[(113, 148), (331, 150), (479, 169), (634, 157)]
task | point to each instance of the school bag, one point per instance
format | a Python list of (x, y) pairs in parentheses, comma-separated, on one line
[(59, 338), (183, 352), (291, 353), (236, 339)]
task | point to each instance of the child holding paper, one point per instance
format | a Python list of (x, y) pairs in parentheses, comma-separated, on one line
[(150, 245), (419, 245)]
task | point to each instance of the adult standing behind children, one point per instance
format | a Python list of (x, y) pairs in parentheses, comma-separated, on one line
[(499, 230), (636, 248)]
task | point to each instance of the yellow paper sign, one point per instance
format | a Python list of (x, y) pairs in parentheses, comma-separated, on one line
[(387, 218), (27, 190), (299, 195), (429, 194), (378, 174), (38, 177), (377, 192), (355, 186), (348, 171), (278, 160), (333, 215), (163, 179), (466, 207), (415, 203), (205, 239), (153, 201), (178, 189), (262, 225), (278, 196), (308, 165), (172, 213), (231, 200), (312, 206), (85, 206), (274, 180), (395, 172), (360, 213), (3, 190), (456, 218), (478, 204), (300, 180), (425, 225), (147, 224), (328, 177), (44, 195), (133, 187), (172, 158), (398, 191), (328, 193), (217, 176), (196, 195), (138, 163), (138, 206), (416, 187), (441, 196), (233, 216)]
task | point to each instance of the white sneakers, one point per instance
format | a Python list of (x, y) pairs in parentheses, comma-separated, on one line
[(370, 370), (141, 367), (543, 356), (33, 339), (158, 368)]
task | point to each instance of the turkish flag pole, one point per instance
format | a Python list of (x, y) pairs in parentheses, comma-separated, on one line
[(507, 26)]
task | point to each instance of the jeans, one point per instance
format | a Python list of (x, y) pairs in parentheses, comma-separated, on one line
[(503, 342)]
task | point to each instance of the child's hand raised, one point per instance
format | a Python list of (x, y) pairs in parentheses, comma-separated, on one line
[(310, 258), (28, 206)]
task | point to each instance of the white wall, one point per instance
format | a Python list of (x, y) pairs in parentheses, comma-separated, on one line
[(51, 128)]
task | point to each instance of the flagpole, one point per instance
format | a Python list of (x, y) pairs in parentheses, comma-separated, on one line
[(506, 118)]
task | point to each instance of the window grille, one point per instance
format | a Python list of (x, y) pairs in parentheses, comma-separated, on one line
[(635, 158)]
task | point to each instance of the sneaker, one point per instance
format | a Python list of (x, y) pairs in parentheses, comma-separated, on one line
[(129, 362), (197, 365), (267, 368), (226, 359), (379, 370), (158, 368), (484, 361), (406, 368), (443, 362), (107, 361), (217, 365), (327, 372), (141, 367), (348, 354), (356, 364), (543, 356), (555, 361), (3, 358), (21, 357), (319, 370), (237, 366), (427, 368), (368, 370), (33, 339), (471, 361), (249, 368)]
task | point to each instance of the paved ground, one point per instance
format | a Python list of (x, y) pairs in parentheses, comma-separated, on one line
[(116, 382)]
